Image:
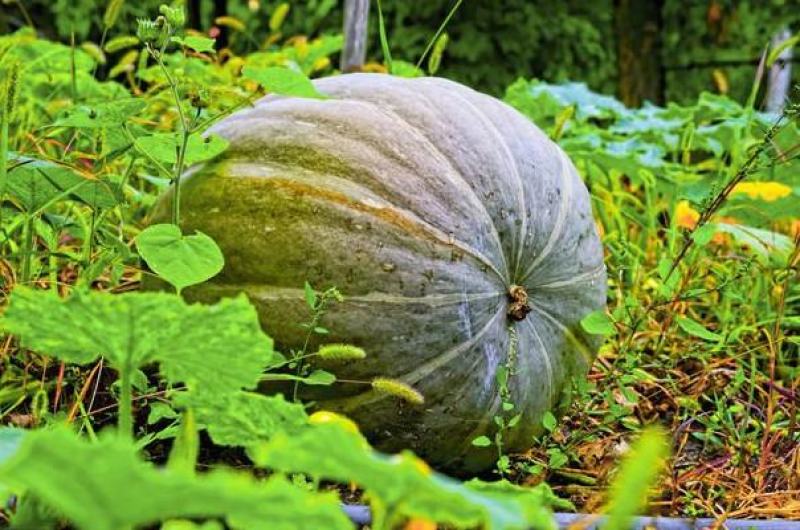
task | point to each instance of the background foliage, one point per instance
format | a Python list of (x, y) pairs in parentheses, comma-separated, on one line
[(704, 44)]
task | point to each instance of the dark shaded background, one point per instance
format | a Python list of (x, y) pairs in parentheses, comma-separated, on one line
[(657, 50)]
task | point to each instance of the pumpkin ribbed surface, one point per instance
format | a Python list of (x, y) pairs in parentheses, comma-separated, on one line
[(460, 235)]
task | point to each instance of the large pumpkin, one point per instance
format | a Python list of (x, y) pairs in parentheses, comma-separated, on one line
[(461, 237)]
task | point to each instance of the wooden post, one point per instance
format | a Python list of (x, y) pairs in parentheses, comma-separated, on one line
[(193, 8), (221, 10), (354, 52), (638, 27), (779, 78)]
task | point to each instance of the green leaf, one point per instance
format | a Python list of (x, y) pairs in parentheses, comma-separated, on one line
[(243, 419), (105, 486), (598, 323), (111, 114), (198, 44), (482, 441), (384, 39), (670, 283), (320, 378), (557, 459), (217, 348), (32, 514), (549, 421), (180, 260), (692, 327), (284, 81), (160, 411), (763, 243), (637, 473), (164, 147), (183, 524), (311, 296), (317, 377), (776, 52), (330, 451), (702, 236), (36, 183)]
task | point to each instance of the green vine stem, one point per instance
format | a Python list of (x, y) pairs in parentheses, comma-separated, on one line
[(185, 132), (125, 423)]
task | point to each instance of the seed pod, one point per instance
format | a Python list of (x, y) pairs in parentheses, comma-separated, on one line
[(125, 64), (399, 389), (112, 13), (278, 16), (341, 352), (94, 52), (436, 54), (11, 88), (230, 22), (175, 16), (148, 31), (120, 43)]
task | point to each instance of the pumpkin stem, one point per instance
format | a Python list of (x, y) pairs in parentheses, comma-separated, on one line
[(518, 309)]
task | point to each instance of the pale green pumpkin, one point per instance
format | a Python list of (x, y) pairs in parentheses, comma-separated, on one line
[(425, 203)]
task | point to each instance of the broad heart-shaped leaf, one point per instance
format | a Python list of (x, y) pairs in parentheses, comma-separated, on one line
[(243, 419), (598, 323), (403, 485), (106, 486), (36, 182), (216, 348), (283, 81), (180, 260), (164, 147)]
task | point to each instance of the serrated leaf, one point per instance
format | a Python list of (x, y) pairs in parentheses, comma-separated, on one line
[(160, 411), (243, 419), (105, 486), (198, 44), (193, 344), (403, 481), (35, 183), (598, 323), (283, 81), (164, 147), (692, 327), (180, 260), (111, 114)]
